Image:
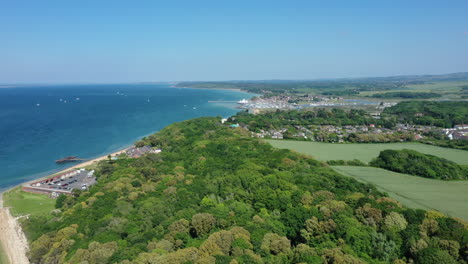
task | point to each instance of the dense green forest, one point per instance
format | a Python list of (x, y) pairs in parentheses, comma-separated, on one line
[(341, 93), (416, 163), (354, 162), (436, 113), (407, 95), (216, 195)]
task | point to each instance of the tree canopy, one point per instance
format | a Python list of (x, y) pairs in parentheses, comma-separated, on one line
[(416, 163), (216, 195), (435, 113), (407, 95)]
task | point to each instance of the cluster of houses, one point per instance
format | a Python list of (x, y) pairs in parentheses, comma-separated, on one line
[(384, 105), (415, 128), (272, 133), (274, 102), (457, 132), (136, 152), (291, 102), (313, 132)]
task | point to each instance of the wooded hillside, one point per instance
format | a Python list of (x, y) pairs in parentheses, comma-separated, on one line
[(216, 195), (415, 163)]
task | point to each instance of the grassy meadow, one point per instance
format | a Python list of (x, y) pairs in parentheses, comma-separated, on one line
[(3, 258), (449, 197), (452, 86), (365, 152), (23, 203)]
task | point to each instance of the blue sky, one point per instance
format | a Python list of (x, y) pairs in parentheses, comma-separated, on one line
[(131, 41)]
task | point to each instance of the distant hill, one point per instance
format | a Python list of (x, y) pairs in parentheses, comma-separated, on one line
[(357, 84), (459, 76)]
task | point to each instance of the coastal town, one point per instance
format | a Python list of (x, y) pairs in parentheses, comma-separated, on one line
[(339, 134), (288, 102)]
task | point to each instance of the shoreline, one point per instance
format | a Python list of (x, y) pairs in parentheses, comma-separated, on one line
[(12, 238), (90, 162), (14, 243), (79, 165)]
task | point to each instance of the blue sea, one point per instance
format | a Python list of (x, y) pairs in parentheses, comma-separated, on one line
[(39, 124)]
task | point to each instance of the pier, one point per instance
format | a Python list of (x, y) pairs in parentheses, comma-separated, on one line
[(69, 159)]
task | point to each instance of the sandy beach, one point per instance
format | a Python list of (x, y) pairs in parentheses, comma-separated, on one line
[(12, 238), (77, 166), (91, 162)]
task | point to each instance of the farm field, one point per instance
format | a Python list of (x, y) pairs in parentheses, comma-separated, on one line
[(365, 152), (452, 86), (23, 203), (448, 197), (449, 90)]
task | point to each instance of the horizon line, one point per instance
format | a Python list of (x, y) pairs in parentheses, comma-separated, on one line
[(226, 80)]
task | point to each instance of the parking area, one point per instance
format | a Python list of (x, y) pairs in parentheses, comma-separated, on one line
[(64, 183)]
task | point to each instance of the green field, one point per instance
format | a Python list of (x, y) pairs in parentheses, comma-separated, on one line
[(365, 152), (449, 197), (3, 258), (23, 203), (438, 86), (449, 90)]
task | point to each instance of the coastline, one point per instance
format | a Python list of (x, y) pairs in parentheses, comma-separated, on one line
[(79, 165), (12, 238), (89, 162)]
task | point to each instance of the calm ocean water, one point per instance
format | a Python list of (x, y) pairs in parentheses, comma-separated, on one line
[(43, 123)]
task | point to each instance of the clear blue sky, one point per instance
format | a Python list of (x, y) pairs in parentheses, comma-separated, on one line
[(130, 41)]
